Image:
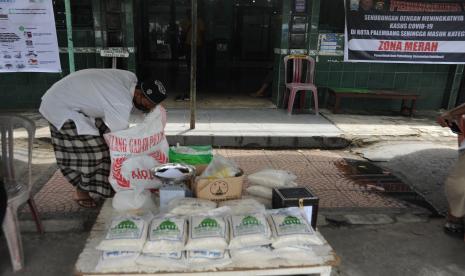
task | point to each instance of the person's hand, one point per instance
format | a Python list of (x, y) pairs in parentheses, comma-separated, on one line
[(445, 119)]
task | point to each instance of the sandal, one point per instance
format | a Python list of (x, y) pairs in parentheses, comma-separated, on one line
[(454, 226), (88, 203)]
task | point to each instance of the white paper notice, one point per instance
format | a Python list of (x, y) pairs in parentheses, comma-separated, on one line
[(28, 39), (308, 211)]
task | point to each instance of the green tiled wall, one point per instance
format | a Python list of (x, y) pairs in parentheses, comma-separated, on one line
[(428, 80)]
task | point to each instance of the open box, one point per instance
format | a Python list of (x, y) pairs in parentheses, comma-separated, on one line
[(219, 189)]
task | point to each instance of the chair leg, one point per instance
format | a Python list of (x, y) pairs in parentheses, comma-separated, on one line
[(290, 104), (13, 238), (35, 215), (315, 99)]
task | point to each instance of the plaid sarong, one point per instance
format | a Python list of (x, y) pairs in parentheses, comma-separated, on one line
[(84, 160)]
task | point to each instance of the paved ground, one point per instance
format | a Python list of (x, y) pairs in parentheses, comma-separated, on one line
[(374, 234)]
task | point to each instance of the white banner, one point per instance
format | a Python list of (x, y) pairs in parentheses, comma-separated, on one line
[(28, 39)]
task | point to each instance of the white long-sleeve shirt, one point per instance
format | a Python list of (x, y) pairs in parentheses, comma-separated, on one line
[(88, 94)]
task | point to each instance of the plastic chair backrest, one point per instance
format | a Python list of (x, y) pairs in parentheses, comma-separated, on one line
[(9, 122), (298, 68)]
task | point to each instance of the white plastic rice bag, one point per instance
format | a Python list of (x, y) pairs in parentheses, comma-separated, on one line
[(134, 151), (113, 260), (243, 206), (260, 191), (273, 178), (126, 233), (295, 254), (290, 228), (265, 201), (249, 230), (164, 262), (257, 256), (208, 259), (190, 206), (126, 200), (207, 233), (166, 235)]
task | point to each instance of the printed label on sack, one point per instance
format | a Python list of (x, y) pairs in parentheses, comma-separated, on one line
[(128, 228), (248, 224), (170, 255), (167, 229), (117, 254), (290, 225), (209, 254), (204, 227)]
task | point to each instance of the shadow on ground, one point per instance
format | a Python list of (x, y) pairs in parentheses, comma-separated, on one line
[(425, 171)]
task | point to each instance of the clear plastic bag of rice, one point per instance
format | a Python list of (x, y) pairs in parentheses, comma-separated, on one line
[(249, 230), (257, 256), (111, 261), (273, 178), (190, 206), (260, 191), (290, 228), (243, 206), (126, 233), (166, 235), (207, 233), (164, 262), (265, 201), (207, 259)]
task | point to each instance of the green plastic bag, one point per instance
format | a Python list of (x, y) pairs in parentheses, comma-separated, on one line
[(192, 155)]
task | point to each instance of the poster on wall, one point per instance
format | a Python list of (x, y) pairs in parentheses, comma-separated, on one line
[(405, 31), (28, 40)]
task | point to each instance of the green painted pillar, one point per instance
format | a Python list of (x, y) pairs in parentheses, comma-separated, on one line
[(128, 32), (69, 32), (457, 80), (98, 31), (313, 27)]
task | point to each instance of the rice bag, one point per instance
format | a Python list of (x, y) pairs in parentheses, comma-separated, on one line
[(166, 235), (243, 206), (260, 191), (290, 228), (249, 230), (207, 259), (265, 201), (164, 262), (207, 233), (113, 260), (273, 178), (190, 206), (257, 256), (126, 233)]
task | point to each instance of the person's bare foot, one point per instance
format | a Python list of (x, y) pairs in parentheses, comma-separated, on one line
[(84, 199)]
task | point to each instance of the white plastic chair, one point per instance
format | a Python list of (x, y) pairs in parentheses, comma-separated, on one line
[(18, 193)]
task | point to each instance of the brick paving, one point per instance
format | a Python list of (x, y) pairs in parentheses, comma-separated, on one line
[(317, 169)]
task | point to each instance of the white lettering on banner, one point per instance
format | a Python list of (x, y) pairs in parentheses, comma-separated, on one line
[(371, 45)]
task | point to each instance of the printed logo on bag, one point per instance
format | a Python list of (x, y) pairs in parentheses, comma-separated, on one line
[(291, 220), (207, 224), (219, 188), (250, 220), (127, 228), (165, 228)]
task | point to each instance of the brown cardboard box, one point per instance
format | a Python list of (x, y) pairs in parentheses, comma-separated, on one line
[(219, 189)]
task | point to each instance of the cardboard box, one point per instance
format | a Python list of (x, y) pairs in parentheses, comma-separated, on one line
[(219, 189)]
